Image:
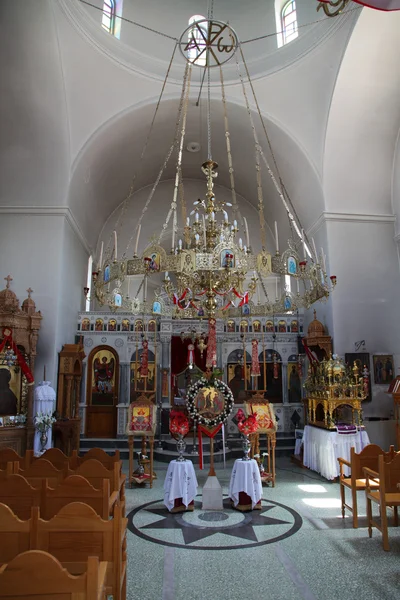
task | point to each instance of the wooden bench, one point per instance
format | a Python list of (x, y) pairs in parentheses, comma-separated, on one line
[(15, 534), (54, 455), (95, 472), (9, 455), (36, 574), (17, 493), (42, 469), (97, 453)]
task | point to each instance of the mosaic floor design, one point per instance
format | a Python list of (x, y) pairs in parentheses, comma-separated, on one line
[(228, 529)]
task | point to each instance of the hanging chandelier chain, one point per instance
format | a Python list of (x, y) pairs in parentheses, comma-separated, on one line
[(209, 155), (260, 201), (291, 211), (235, 206), (172, 210)]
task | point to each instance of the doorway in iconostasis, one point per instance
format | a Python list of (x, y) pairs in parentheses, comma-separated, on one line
[(102, 392)]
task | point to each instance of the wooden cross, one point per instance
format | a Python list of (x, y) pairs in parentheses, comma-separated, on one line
[(8, 279), (29, 290)]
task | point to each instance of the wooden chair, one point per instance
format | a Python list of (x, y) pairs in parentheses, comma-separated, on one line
[(76, 531), (77, 488), (42, 469), (387, 477), (95, 472), (9, 455), (368, 457), (14, 535), (105, 459), (36, 574), (54, 455), (17, 493)]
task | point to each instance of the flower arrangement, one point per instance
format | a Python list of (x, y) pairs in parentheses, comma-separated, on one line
[(249, 425), (178, 424), (220, 386), (43, 421)]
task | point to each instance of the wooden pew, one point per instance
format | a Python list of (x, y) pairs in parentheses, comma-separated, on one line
[(42, 469), (15, 534), (9, 470), (54, 455), (17, 493), (95, 472), (36, 574), (97, 453), (77, 488), (77, 531), (9, 455)]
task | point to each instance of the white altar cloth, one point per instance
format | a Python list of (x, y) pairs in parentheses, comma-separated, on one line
[(180, 482), (322, 448), (245, 478)]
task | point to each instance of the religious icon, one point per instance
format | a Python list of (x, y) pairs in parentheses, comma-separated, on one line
[(117, 300), (245, 309), (230, 327), (138, 325), (125, 325), (200, 312), (291, 265), (294, 382), (103, 373), (209, 402), (294, 326), (112, 325), (264, 264), (256, 326), (383, 369), (269, 326), (151, 325), (237, 384), (154, 263), (227, 258), (157, 307), (99, 325), (107, 274), (8, 399), (282, 327), (244, 326), (85, 325), (287, 303)]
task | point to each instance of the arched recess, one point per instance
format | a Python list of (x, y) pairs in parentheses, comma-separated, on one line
[(102, 392)]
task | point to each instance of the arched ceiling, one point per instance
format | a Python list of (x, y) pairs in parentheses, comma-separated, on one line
[(107, 164)]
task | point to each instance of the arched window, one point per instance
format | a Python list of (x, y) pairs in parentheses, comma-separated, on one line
[(197, 38), (108, 19), (286, 21)]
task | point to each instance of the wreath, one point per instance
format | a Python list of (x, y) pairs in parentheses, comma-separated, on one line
[(221, 387)]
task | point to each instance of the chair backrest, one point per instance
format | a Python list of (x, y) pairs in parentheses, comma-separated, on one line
[(98, 454), (368, 457), (95, 472), (43, 469), (389, 475), (17, 493), (8, 470), (14, 534), (9, 455), (53, 455), (72, 489), (36, 574)]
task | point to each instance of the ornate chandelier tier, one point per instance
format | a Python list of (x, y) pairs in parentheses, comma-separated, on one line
[(211, 271)]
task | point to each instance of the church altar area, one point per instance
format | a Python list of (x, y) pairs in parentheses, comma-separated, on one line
[(115, 341)]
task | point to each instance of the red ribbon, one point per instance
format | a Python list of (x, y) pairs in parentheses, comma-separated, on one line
[(200, 440)]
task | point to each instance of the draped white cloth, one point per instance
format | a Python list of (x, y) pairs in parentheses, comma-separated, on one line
[(322, 448), (246, 478), (44, 402), (180, 482)]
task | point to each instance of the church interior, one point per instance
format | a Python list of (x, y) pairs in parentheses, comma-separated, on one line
[(199, 354)]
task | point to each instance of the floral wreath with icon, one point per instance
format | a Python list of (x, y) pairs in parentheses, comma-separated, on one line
[(191, 396)]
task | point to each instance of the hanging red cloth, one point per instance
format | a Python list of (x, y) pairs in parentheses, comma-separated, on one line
[(255, 364), (7, 339), (211, 360), (275, 367), (144, 359)]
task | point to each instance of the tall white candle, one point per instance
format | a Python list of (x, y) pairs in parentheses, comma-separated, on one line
[(315, 249), (235, 224), (240, 243), (180, 244), (276, 237), (298, 285), (225, 216), (247, 231), (323, 260), (137, 238), (187, 221), (145, 290), (99, 266), (204, 232), (115, 245), (173, 239), (304, 244), (258, 294), (197, 217)]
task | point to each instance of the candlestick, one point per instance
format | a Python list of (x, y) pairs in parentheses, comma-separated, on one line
[(137, 238), (115, 245), (276, 238), (247, 231), (101, 256)]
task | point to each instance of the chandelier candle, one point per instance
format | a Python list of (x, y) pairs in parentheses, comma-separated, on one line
[(137, 239), (115, 245), (276, 238), (247, 232), (101, 256)]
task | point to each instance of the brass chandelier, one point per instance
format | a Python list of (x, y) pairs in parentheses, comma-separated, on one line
[(208, 269)]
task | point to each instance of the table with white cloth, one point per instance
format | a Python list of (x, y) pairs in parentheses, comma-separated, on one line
[(245, 487), (322, 448), (180, 486)]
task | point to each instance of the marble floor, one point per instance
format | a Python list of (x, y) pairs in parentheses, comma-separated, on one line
[(297, 548)]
